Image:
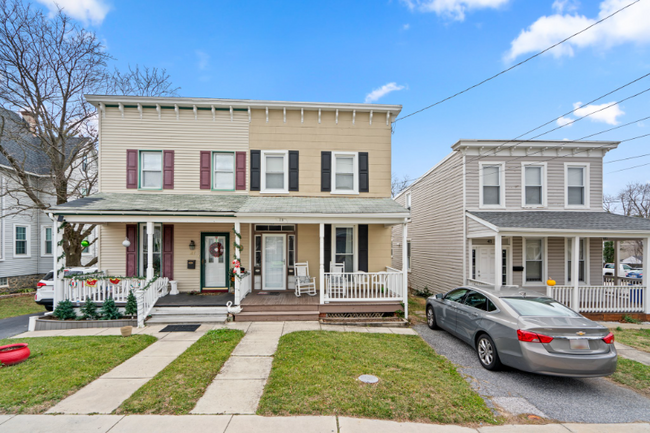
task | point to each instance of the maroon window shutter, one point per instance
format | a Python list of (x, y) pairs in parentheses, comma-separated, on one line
[(205, 169), (131, 169), (131, 251), (168, 169), (168, 251), (241, 171)]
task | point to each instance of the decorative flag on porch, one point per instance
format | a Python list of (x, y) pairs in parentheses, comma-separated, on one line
[(91, 282), (114, 280)]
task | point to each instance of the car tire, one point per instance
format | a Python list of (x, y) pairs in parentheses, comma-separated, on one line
[(431, 318), (487, 354)]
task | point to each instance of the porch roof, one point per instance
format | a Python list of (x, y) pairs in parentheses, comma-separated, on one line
[(603, 223)]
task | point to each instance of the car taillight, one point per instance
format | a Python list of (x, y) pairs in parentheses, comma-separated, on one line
[(609, 339), (532, 337), (35, 297), (41, 285)]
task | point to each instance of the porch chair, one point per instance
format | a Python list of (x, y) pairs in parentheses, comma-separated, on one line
[(338, 283), (304, 283)]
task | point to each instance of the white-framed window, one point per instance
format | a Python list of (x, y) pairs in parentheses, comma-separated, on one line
[(157, 249), (47, 241), (275, 171), (345, 173), (407, 200), (534, 184), (4, 282), (151, 169), (534, 264), (223, 171), (492, 184), (408, 255), (22, 240), (344, 246), (576, 181), (583, 261)]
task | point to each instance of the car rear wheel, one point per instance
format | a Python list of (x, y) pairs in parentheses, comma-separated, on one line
[(487, 353), (431, 318)]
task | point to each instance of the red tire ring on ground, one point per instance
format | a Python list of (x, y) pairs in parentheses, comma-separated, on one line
[(13, 353)]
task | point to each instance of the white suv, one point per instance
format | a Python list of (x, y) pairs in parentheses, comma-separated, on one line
[(609, 269), (45, 288)]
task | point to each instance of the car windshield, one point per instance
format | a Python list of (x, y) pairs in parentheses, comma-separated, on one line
[(539, 307)]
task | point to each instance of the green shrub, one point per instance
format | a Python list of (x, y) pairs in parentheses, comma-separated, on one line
[(131, 308), (630, 319), (424, 292), (89, 310), (110, 311), (64, 311)]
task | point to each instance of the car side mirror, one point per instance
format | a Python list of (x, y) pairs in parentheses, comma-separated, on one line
[(439, 296)]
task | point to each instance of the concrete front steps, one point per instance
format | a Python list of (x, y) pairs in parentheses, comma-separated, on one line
[(278, 313), (164, 315)]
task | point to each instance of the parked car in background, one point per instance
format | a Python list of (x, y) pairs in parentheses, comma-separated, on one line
[(531, 333), (45, 288), (609, 269), (637, 273)]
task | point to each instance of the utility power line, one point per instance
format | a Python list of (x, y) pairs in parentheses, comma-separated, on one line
[(626, 159)]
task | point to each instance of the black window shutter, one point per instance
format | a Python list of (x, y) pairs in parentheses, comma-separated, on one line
[(328, 246), (364, 179), (293, 170), (256, 167), (363, 247), (326, 171)]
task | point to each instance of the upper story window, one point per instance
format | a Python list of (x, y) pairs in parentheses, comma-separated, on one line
[(275, 171), (223, 177), (21, 241), (577, 186), (46, 246), (534, 194), (151, 170), (345, 173), (491, 183)]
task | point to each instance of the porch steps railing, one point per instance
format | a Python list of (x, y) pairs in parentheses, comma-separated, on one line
[(244, 288), (363, 286), (148, 296)]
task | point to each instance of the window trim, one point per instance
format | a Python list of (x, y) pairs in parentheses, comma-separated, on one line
[(355, 244), (524, 241), (44, 229), (409, 252), (567, 244), (408, 200), (234, 171), (544, 168), (355, 173), (586, 177), (162, 175), (502, 184), (4, 285), (28, 235), (285, 155)]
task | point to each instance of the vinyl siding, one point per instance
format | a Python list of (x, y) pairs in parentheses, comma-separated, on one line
[(436, 230), (556, 259), (476, 228), (555, 181), (596, 261)]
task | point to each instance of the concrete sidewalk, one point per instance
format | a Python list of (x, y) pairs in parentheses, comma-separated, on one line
[(254, 424), (631, 353)]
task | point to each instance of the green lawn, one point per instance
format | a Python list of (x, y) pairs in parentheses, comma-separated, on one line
[(637, 338), (417, 305), (59, 366), (633, 374), (315, 373), (19, 305), (177, 388)]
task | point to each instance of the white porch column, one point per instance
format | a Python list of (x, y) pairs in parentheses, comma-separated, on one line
[(238, 258), (468, 271), (498, 261), (405, 269), (617, 261), (150, 250), (575, 273), (646, 278), (321, 267), (56, 252)]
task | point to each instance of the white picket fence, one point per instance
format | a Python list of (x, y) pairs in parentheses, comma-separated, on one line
[(78, 289), (604, 299), (148, 296), (363, 286), (244, 288)]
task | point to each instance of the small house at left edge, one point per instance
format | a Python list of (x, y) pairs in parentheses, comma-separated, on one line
[(248, 200)]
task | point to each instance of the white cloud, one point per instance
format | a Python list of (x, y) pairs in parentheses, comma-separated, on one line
[(609, 115), (562, 121), (454, 9), (203, 60), (406, 26), (87, 11), (561, 6), (627, 26), (384, 90)]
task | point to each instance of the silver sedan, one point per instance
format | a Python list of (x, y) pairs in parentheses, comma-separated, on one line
[(530, 333)]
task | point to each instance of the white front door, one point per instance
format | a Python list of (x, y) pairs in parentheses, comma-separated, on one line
[(485, 264), (215, 261), (274, 269)]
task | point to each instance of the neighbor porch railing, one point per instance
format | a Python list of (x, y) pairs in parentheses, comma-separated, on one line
[(80, 288), (148, 295), (364, 286), (603, 299), (244, 288)]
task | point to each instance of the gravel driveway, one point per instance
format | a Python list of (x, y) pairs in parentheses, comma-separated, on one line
[(595, 400)]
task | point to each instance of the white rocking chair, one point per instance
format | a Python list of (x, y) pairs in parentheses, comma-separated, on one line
[(304, 283), (338, 283)]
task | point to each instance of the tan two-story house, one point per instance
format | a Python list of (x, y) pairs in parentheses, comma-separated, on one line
[(498, 213), (190, 186)]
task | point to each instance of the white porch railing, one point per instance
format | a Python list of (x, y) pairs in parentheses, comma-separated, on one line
[(364, 286), (603, 299), (148, 296), (244, 288), (78, 289), (609, 280)]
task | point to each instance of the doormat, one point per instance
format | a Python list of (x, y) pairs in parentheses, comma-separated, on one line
[(180, 328), (269, 293)]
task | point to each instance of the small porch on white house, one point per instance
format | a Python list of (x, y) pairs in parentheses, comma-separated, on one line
[(535, 252)]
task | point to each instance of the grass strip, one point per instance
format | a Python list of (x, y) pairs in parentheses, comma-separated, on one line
[(633, 374), (19, 305), (177, 388), (637, 338), (59, 366), (315, 373)]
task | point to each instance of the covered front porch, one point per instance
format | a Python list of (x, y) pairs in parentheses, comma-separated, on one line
[(536, 252)]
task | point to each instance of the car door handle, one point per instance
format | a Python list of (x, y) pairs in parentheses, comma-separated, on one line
[(474, 314)]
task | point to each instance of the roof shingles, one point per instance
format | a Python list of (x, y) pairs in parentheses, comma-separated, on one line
[(595, 221)]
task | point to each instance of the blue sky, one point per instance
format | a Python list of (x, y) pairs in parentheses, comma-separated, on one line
[(340, 51)]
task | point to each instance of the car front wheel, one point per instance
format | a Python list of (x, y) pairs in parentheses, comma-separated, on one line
[(487, 353), (431, 318)]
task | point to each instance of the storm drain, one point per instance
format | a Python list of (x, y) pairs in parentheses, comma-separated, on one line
[(180, 328)]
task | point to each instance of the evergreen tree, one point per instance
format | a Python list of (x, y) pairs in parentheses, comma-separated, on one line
[(89, 310), (608, 252), (110, 311), (64, 310), (131, 308)]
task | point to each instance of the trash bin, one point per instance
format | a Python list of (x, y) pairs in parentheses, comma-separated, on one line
[(174, 287)]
